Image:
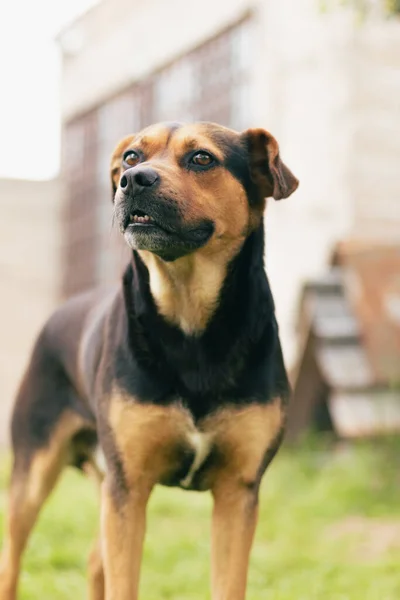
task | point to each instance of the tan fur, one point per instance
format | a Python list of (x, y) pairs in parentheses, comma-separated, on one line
[(186, 291), (146, 437), (150, 441), (27, 495), (243, 436), (123, 532), (95, 562), (149, 438), (234, 522), (96, 573)]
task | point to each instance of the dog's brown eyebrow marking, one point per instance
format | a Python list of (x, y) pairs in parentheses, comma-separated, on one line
[(195, 144), (156, 139), (183, 138), (189, 139)]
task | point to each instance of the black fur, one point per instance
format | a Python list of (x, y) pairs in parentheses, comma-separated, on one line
[(237, 162), (236, 360)]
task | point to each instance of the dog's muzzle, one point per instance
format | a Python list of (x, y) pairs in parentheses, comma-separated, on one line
[(151, 221)]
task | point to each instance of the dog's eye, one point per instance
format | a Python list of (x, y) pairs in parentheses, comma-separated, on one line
[(131, 158), (202, 159)]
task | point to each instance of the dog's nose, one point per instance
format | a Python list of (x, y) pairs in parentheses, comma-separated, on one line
[(137, 179)]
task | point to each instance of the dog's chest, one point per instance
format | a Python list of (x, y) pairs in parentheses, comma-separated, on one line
[(163, 444)]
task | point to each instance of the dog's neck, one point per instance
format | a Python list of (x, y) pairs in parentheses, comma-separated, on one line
[(186, 291), (228, 357), (202, 293)]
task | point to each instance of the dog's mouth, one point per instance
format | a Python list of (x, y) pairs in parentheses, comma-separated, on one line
[(138, 217), (158, 229), (139, 220)]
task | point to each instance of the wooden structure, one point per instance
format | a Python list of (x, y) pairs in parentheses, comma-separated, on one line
[(349, 345)]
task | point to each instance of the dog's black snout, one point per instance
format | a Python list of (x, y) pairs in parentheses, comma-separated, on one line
[(136, 179), (146, 177)]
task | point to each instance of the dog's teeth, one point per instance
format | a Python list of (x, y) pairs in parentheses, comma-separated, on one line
[(139, 219)]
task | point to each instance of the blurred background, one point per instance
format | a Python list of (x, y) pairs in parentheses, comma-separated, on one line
[(322, 75)]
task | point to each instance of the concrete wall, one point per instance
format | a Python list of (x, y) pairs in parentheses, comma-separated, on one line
[(29, 274), (324, 85)]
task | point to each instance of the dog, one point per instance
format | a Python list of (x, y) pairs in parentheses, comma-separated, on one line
[(176, 374)]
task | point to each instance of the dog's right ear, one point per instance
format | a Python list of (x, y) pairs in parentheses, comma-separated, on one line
[(116, 161), (272, 177)]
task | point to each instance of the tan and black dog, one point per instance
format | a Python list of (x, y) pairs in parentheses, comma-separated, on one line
[(176, 374)]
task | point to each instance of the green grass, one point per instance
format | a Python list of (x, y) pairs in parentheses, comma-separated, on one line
[(307, 546)]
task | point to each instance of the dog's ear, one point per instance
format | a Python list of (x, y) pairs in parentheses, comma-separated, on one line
[(268, 172), (116, 161)]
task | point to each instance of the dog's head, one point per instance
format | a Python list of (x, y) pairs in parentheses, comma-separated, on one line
[(178, 188)]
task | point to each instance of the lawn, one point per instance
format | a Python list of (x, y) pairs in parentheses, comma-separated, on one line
[(329, 528)]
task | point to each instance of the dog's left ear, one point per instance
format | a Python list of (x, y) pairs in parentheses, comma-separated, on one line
[(268, 172), (116, 161)]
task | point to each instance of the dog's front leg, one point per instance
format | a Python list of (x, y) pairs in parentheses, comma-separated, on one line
[(123, 531), (233, 526), (143, 444)]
